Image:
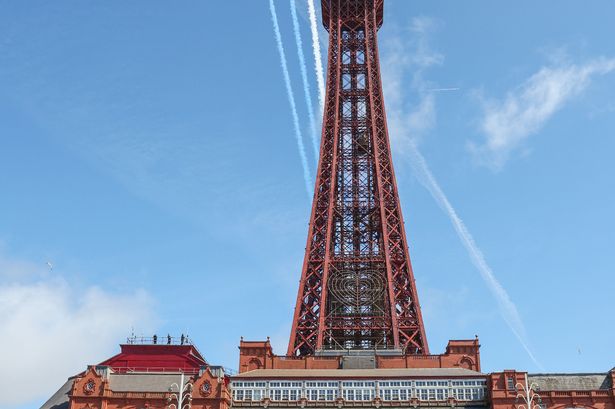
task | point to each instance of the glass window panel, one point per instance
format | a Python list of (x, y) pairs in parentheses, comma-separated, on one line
[(346, 81), (360, 57), (360, 81), (346, 57)]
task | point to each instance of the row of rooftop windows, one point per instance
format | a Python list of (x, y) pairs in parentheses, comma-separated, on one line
[(461, 390), (335, 384), (460, 394)]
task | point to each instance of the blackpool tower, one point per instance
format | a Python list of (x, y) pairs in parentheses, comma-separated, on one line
[(357, 289)]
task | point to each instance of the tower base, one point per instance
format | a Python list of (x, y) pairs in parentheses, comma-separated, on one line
[(259, 355)]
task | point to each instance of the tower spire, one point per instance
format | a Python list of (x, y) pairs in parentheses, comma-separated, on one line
[(357, 287)]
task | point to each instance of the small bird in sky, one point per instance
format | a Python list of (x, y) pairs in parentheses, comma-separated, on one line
[(50, 266)]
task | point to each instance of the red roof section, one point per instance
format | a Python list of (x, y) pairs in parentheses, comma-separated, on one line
[(156, 358)]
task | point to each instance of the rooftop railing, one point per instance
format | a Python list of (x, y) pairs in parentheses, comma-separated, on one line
[(190, 371), (159, 340)]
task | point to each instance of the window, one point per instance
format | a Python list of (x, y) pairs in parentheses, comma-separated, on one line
[(360, 81), (321, 391), (395, 390), (362, 112), (346, 57), (347, 109), (360, 57), (346, 81), (367, 395)]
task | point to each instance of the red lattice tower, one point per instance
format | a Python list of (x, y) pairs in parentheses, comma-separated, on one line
[(357, 288)]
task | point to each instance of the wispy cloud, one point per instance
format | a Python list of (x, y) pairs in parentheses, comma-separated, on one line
[(57, 327), (291, 99), (411, 121), (13, 269), (508, 122), (409, 51)]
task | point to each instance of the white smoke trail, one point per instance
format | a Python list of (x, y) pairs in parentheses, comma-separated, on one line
[(320, 78), (507, 308), (304, 77), (291, 99)]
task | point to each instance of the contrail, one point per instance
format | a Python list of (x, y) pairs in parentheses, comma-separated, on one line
[(317, 56), (304, 77), (443, 89), (507, 308), (291, 100)]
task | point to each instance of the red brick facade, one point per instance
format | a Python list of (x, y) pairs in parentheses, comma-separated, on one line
[(503, 394), (259, 355), (92, 390), (117, 384)]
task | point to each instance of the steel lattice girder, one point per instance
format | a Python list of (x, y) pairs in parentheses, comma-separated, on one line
[(357, 287)]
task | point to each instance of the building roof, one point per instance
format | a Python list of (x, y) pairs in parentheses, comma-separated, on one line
[(144, 382), (163, 363), (59, 400), (156, 357), (570, 382), (358, 373)]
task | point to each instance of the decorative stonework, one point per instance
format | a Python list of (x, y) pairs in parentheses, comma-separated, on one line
[(205, 389), (89, 387)]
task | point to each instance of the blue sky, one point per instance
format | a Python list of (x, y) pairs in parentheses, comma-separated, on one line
[(148, 153)]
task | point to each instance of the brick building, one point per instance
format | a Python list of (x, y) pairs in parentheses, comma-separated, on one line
[(146, 375)]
